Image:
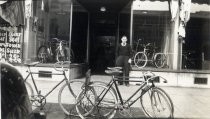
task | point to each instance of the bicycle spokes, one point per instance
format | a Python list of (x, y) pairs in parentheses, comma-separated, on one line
[(160, 105)]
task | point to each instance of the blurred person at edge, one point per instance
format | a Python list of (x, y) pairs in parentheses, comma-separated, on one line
[(124, 54), (15, 103)]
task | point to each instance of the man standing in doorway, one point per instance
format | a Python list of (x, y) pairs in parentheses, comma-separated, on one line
[(124, 54)]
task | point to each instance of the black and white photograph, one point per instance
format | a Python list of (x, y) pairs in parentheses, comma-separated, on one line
[(104, 59)]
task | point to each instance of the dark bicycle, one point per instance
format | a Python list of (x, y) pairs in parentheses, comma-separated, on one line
[(103, 101)]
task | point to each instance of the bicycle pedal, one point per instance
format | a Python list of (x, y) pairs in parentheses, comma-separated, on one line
[(40, 115)]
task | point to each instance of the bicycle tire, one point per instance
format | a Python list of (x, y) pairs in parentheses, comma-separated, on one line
[(67, 97), (42, 54), (169, 99), (149, 103), (105, 84), (159, 60), (107, 107), (140, 59), (86, 101), (29, 90)]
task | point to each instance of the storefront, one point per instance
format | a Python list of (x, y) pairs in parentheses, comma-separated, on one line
[(92, 30), (11, 32)]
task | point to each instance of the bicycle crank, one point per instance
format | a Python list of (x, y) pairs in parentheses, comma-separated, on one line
[(124, 111), (38, 101)]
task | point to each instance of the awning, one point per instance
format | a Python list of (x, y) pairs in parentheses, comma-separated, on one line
[(13, 12), (193, 1)]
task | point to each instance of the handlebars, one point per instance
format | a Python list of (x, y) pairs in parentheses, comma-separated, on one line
[(61, 64), (56, 40), (152, 76)]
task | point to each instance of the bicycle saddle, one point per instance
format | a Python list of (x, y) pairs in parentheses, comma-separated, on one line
[(113, 72), (114, 68)]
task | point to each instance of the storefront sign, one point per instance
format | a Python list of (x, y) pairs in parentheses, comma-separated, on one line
[(10, 47)]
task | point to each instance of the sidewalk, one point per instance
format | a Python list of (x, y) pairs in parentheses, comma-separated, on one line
[(188, 102)]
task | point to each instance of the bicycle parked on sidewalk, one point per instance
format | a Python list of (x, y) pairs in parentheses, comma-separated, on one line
[(55, 50), (66, 96), (149, 53), (103, 101)]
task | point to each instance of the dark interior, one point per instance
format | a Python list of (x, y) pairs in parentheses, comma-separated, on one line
[(103, 29)]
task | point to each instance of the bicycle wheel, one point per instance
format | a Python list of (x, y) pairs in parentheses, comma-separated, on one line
[(86, 102), (29, 90), (67, 97), (42, 54), (167, 97), (159, 60), (146, 104), (108, 101), (157, 104), (31, 95), (140, 59), (105, 84)]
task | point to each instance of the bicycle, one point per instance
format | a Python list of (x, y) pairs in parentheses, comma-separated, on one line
[(149, 54), (55, 49), (103, 101), (67, 93)]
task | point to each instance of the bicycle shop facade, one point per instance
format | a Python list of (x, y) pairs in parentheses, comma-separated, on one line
[(179, 29)]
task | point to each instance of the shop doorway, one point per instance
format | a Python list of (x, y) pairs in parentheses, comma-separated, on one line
[(196, 44), (103, 30)]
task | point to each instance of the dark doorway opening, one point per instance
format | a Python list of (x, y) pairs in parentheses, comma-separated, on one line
[(103, 32), (196, 43)]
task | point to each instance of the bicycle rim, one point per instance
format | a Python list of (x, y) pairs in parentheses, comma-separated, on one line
[(67, 97), (161, 104), (140, 60), (86, 102), (29, 91), (160, 60), (107, 107), (168, 99), (105, 84), (146, 104)]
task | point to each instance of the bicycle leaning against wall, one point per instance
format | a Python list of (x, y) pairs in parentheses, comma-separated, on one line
[(55, 50), (103, 101), (67, 94)]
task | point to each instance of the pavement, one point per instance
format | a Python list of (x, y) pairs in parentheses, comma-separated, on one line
[(188, 102)]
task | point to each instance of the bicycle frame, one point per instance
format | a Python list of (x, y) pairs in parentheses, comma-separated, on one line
[(127, 102), (30, 73)]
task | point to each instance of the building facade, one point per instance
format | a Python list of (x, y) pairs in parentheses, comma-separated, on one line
[(93, 30)]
